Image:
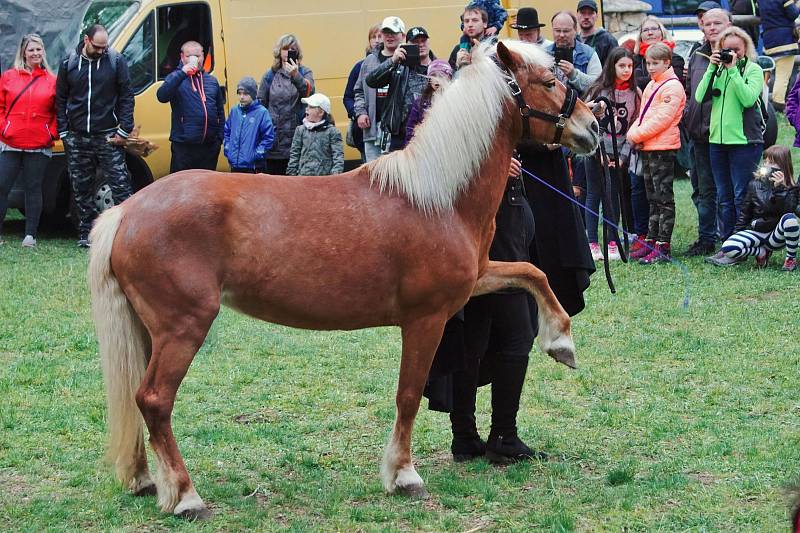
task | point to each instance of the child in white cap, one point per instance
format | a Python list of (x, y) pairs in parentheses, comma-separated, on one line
[(317, 144)]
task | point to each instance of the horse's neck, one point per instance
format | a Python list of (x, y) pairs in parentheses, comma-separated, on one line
[(478, 205)]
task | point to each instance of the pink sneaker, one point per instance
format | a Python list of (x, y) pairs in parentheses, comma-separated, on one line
[(597, 253), (790, 265), (613, 252), (763, 257)]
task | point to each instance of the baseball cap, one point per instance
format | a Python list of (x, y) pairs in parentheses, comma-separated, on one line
[(416, 31), (708, 5), (393, 24), (591, 4), (318, 100)]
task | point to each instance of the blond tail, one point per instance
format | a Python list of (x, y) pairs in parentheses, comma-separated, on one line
[(122, 341)]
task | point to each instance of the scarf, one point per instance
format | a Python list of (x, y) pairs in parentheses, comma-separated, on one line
[(312, 125), (622, 85), (644, 46)]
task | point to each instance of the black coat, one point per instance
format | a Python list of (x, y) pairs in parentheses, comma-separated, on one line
[(764, 206)]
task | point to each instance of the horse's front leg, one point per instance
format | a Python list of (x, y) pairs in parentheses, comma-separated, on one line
[(420, 339), (554, 338)]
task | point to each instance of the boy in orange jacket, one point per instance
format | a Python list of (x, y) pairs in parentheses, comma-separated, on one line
[(658, 138)]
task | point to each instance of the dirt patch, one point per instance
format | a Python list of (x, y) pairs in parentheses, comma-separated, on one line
[(753, 298), (704, 478), (259, 417), (16, 488)]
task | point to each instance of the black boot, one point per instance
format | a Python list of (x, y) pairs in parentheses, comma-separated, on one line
[(504, 445), (467, 443)]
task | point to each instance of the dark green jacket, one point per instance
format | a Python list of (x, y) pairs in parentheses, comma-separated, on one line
[(316, 152)]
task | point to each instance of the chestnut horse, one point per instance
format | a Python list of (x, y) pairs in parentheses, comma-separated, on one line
[(400, 241)]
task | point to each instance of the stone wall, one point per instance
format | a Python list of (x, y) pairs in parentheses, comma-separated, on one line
[(624, 16)]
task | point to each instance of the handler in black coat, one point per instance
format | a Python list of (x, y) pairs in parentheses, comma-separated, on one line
[(490, 339)]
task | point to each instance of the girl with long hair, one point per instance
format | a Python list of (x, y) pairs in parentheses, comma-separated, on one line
[(617, 82)]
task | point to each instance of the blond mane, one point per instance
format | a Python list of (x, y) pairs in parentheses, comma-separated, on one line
[(450, 145)]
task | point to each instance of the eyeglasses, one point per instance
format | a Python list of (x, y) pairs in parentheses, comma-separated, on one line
[(651, 29), (98, 47)]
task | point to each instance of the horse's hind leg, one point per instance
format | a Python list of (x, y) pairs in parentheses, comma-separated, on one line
[(554, 338), (174, 347), (420, 339)]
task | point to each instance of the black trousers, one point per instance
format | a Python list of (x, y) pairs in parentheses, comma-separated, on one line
[(186, 156), (498, 335), (31, 166)]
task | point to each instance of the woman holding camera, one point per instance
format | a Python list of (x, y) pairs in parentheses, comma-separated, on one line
[(768, 221), (733, 82), (27, 129), (280, 91)]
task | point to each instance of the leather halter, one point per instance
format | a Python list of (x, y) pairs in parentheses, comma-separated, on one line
[(526, 111)]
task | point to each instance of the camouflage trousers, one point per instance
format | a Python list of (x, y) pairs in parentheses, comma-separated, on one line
[(658, 171), (86, 153)]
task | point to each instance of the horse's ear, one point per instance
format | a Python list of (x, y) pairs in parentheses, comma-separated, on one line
[(511, 60)]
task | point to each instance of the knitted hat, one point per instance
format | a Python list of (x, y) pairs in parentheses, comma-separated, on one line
[(440, 68), (248, 85)]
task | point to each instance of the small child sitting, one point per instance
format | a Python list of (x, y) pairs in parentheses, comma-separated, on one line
[(497, 15), (248, 133), (769, 217), (317, 144)]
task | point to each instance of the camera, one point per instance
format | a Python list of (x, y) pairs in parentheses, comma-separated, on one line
[(563, 54), (726, 55), (765, 171)]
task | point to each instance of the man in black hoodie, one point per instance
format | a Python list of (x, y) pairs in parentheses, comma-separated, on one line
[(598, 38), (94, 112)]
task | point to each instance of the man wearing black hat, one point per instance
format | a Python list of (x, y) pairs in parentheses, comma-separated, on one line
[(528, 27), (598, 38)]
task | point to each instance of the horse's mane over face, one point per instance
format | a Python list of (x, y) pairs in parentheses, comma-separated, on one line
[(458, 131)]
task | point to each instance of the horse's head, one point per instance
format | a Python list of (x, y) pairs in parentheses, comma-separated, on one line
[(553, 112)]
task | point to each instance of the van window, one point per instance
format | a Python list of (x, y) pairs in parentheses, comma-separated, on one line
[(140, 54), (178, 24)]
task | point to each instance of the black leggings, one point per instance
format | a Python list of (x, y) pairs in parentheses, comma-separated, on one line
[(32, 166)]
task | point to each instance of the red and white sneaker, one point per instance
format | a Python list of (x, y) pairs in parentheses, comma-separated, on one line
[(613, 252), (790, 264), (597, 253), (763, 257)]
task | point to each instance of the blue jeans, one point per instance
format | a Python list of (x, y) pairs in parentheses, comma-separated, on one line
[(733, 166), (704, 194), (594, 179), (641, 208)]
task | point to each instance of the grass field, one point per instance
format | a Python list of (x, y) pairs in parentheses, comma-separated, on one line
[(676, 420)]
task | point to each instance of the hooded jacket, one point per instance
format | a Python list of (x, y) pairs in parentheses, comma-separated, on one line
[(31, 123), (735, 117), (697, 115), (765, 204), (248, 136), (657, 126), (316, 152), (792, 111), (198, 108), (94, 95), (602, 42)]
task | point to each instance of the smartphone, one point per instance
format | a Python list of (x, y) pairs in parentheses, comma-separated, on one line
[(563, 54), (465, 43), (193, 61), (292, 55), (412, 55)]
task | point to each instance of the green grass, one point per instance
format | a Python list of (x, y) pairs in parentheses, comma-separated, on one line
[(677, 419)]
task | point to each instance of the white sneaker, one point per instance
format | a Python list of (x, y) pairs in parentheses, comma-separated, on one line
[(613, 252), (597, 253), (28, 242)]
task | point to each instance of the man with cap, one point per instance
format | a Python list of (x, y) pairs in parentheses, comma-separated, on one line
[(249, 132), (696, 121), (529, 28), (403, 77), (369, 100), (598, 38), (198, 112)]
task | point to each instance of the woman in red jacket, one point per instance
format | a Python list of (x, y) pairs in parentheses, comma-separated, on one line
[(27, 129)]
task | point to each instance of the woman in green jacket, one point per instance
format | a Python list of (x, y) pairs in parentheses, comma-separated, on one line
[(734, 83)]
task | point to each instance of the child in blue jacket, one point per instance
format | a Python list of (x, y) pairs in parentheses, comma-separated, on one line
[(248, 131)]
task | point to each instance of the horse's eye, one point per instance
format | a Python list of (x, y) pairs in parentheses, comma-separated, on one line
[(550, 84)]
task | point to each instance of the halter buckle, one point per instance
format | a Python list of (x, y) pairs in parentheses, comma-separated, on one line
[(515, 88), (562, 122), (525, 112)]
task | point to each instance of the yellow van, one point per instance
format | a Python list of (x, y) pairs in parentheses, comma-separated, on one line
[(238, 36)]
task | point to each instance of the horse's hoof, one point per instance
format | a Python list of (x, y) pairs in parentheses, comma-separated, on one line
[(416, 492), (195, 514), (147, 490), (563, 355)]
